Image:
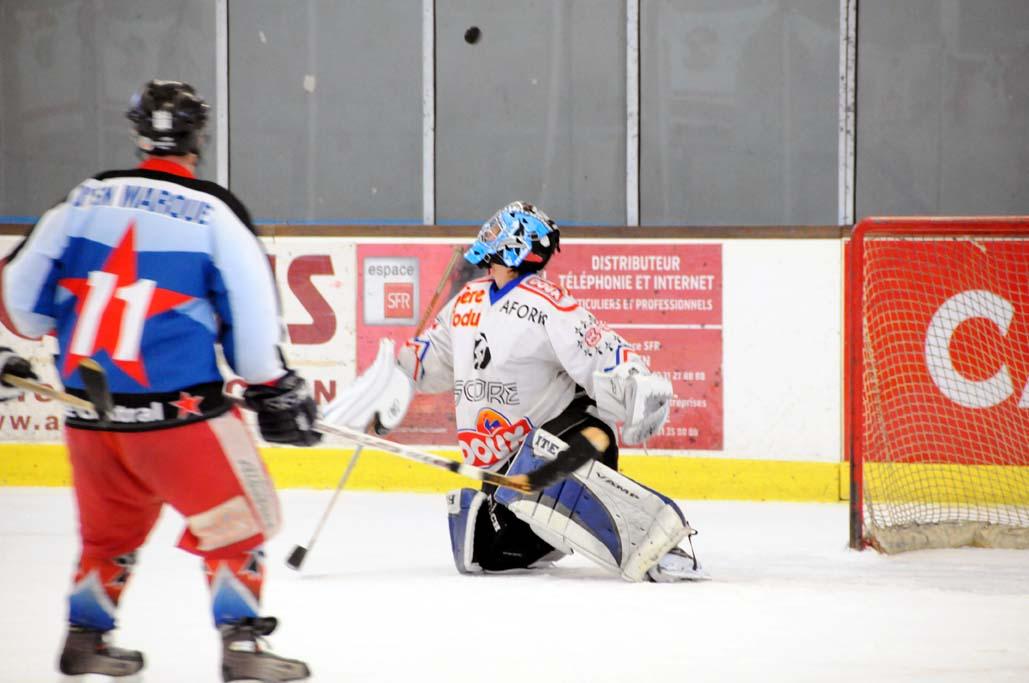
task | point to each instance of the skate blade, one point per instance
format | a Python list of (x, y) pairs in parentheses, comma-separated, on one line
[(100, 678), (680, 576), (698, 575)]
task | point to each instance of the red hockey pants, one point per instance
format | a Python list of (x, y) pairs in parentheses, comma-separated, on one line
[(209, 471)]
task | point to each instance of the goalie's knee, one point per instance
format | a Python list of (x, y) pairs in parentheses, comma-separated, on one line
[(462, 511), (584, 446)]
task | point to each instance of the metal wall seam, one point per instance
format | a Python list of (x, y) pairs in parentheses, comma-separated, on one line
[(221, 79), (428, 112), (847, 103), (632, 112)]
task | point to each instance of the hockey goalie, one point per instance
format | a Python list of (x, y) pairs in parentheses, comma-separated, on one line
[(535, 376)]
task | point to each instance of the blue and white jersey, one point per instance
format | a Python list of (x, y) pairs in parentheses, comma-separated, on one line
[(146, 271)]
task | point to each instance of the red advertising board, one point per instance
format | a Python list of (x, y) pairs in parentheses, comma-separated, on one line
[(665, 299), (384, 273)]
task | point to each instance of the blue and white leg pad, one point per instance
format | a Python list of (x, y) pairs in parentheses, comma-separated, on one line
[(462, 511), (604, 515)]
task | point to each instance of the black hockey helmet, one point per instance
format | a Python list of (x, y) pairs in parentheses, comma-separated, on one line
[(168, 117), (519, 236)]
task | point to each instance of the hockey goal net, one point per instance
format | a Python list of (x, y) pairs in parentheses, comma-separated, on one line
[(938, 353)]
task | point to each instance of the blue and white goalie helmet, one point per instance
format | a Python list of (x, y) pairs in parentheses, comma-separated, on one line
[(519, 236)]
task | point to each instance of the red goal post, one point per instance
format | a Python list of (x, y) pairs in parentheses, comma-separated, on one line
[(937, 344)]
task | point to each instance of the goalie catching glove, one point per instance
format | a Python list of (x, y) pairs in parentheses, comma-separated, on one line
[(286, 412), (635, 396), (13, 364), (379, 395)]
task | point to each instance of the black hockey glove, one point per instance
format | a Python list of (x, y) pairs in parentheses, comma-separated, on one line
[(13, 364), (285, 410)]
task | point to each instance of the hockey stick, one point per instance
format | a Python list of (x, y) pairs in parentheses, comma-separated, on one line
[(427, 313), (540, 478), (93, 377), (296, 558), (95, 380), (299, 552), (44, 390)]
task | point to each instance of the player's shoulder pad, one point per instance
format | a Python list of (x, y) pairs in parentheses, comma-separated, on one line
[(556, 295)]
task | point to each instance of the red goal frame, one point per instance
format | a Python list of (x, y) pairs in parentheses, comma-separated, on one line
[(854, 283)]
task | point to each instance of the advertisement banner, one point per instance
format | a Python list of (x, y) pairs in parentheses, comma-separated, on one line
[(340, 297), (665, 299)]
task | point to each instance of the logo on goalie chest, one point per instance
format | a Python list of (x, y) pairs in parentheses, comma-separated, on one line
[(466, 309), (481, 355), (493, 439)]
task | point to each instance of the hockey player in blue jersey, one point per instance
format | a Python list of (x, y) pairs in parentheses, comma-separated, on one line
[(147, 271)]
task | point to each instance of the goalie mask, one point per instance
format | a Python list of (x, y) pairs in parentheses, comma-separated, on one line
[(519, 236), (168, 117)]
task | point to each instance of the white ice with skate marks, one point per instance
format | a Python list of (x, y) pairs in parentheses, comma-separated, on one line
[(379, 600)]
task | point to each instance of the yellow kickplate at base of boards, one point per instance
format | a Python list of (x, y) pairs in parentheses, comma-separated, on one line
[(683, 477)]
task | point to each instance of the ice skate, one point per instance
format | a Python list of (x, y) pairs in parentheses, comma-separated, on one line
[(87, 652), (244, 657), (676, 565)]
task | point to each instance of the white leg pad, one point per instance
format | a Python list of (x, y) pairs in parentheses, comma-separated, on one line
[(624, 527)]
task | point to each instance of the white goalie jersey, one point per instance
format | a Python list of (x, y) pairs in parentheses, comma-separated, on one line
[(514, 358)]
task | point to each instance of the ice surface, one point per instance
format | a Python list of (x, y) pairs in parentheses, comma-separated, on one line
[(378, 600)]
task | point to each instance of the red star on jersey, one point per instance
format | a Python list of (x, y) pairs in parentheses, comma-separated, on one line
[(113, 306), (187, 404)]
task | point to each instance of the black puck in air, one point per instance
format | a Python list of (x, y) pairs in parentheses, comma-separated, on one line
[(472, 35)]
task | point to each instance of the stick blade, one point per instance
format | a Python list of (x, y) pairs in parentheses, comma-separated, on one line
[(296, 558), (95, 379)]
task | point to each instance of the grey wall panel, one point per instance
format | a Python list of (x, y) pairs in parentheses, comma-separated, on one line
[(534, 110), (943, 107), (326, 109), (738, 111), (68, 70)]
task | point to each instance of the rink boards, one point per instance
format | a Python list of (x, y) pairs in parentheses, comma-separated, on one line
[(754, 358)]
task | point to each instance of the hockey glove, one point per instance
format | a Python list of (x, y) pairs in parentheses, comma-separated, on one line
[(633, 395), (648, 401), (13, 364), (285, 410)]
